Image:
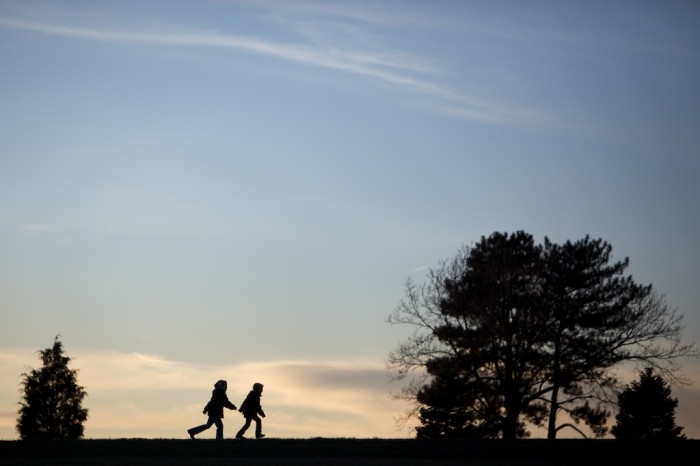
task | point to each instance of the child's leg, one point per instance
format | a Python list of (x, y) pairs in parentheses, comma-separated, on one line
[(258, 426), (203, 427), (244, 428), (219, 429)]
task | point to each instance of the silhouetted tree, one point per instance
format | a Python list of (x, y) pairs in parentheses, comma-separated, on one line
[(586, 297), (647, 411), (483, 320), (600, 318), (52, 399), (523, 330)]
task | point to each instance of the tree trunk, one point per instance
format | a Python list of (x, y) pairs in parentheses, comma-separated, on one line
[(554, 407)]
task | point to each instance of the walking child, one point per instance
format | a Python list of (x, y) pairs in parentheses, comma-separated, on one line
[(251, 409), (215, 410)]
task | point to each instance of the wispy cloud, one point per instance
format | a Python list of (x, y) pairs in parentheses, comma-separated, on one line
[(357, 62), (393, 69), (419, 269), (148, 395), (39, 228)]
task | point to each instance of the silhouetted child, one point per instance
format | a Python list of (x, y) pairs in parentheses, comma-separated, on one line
[(215, 410), (250, 409)]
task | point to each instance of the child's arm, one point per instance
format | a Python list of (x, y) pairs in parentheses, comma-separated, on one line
[(229, 405)]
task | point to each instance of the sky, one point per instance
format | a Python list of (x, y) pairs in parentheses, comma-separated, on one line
[(221, 189)]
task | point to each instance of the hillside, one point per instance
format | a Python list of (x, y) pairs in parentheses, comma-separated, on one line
[(341, 451)]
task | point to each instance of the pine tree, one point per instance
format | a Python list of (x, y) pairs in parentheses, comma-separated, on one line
[(51, 406), (647, 411)]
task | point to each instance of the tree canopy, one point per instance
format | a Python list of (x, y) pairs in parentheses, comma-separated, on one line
[(510, 331), (51, 406)]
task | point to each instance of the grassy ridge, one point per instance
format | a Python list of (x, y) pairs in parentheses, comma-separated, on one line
[(342, 451)]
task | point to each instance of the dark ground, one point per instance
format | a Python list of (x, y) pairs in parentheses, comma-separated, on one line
[(346, 451)]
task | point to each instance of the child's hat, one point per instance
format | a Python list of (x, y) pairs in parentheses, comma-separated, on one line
[(221, 384)]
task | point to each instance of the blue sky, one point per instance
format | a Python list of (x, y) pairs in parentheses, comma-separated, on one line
[(195, 190)]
